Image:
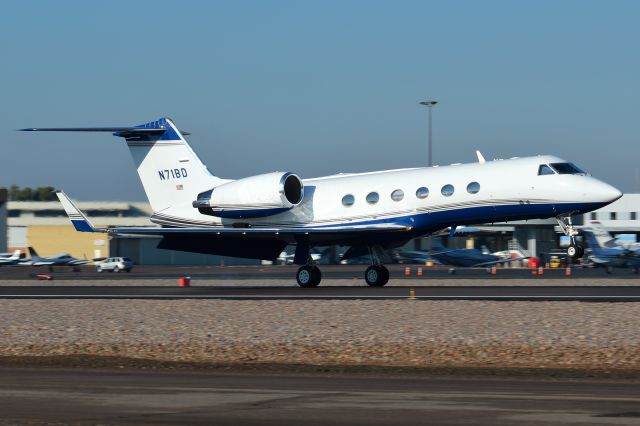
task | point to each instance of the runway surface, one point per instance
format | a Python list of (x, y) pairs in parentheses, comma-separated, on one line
[(287, 272), (494, 293), (74, 397)]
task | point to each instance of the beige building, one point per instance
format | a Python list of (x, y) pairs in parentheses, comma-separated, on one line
[(45, 226), (3, 220)]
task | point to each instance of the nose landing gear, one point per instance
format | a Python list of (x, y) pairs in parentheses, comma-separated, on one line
[(575, 250)]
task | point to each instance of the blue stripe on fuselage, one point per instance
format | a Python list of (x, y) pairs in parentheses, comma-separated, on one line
[(430, 222)]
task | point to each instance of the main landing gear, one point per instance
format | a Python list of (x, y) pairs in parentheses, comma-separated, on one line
[(376, 275), (308, 276), (574, 251)]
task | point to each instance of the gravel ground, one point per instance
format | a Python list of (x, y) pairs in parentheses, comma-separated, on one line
[(379, 333)]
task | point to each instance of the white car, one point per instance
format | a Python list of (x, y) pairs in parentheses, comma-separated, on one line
[(115, 264)]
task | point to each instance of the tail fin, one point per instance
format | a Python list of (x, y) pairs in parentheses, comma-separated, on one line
[(602, 235), (33, 253), (594, 244), (170, 172), (78, 219)]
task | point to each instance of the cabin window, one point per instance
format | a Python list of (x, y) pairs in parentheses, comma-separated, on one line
[(473, 188), (422, 192), (594, 215), (633, 216), (348, 200), (373, 197), (447, 190), (397, 195), (545, 170), (613, 216), (566, 169)]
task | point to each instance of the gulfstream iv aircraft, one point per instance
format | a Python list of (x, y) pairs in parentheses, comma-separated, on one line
[(256, 217)]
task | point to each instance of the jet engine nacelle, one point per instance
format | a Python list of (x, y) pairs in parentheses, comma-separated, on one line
[(255, 196)]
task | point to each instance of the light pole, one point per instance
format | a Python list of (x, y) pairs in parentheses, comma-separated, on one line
[(430, 104)]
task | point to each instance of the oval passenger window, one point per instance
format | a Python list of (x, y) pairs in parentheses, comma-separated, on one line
[(373, 198), (348, 200), (473, 188), (397, 195), (447, 190)]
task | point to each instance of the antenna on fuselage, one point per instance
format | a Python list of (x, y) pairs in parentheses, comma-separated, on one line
[(480, 157)]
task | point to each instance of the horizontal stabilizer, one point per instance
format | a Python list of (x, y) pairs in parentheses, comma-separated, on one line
[(78, 219)]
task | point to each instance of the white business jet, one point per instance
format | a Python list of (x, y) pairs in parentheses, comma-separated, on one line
[(256, 217)]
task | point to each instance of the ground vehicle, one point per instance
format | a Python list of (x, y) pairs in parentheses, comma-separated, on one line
[(115, 264)]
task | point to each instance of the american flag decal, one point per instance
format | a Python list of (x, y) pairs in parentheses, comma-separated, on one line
[(179, 187)]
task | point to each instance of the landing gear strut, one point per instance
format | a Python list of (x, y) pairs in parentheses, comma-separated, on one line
[(575, 251), (376, 275)]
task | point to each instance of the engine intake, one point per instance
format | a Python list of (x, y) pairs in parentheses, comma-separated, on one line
[(251, 197)]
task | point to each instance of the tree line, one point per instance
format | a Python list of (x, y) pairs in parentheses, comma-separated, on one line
[(43, 193)]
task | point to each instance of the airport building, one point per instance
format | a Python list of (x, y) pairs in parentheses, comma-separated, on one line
[(45, 226), (3, 220)]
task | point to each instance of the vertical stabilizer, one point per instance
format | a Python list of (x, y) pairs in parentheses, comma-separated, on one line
[(170, 172)]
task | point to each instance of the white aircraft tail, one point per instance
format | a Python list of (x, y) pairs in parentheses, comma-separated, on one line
[(170, 172), (601, 235)]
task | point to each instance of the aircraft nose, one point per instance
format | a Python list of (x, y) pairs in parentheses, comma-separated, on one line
[(608, 193)]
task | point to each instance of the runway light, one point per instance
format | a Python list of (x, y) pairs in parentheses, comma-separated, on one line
[(567, 271), (412, 294), (407, 271), (419, 272)]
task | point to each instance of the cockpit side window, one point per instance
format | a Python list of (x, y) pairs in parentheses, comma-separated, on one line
[(566, 169), (545, 170)]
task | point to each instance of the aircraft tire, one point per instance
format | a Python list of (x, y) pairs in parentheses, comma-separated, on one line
[(579, 251), (308, 276), (376, 275), (572, 251)]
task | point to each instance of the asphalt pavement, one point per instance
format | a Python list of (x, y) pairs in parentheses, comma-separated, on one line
[(288, 272), (89, 397), (492, 293)]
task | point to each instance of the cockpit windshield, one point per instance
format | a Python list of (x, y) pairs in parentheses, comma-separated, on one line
[(566, 169), (545, 170)]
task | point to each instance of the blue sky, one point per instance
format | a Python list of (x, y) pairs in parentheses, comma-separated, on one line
[(318, 87)]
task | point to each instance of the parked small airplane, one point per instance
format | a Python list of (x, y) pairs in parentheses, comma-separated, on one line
[(14, 259), (609, 253), (60, 259), (258, 216), (457, 257)]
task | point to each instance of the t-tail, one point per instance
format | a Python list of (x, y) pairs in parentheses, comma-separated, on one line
[(170, 172), (34, 254)]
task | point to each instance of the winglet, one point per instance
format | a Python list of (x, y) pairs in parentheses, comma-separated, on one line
[(480, 157), (78, 219)]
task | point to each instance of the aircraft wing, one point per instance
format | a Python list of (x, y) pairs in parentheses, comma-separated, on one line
[(289, 234)]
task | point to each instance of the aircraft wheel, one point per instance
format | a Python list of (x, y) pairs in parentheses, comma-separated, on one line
[(308, 276), (609, 269), (579, 251), (452, 271), (571, 251), (635, 270), (116, 269), (98, 269), (376, 275)]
